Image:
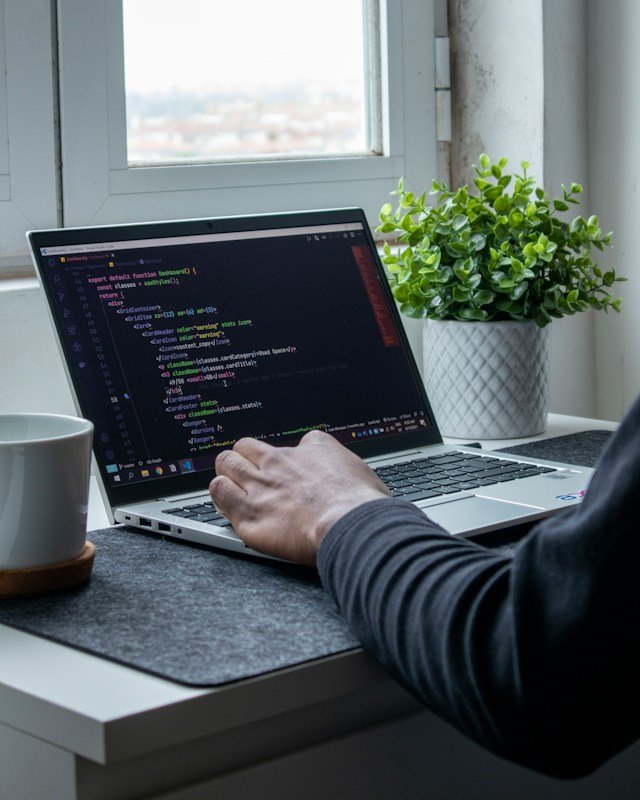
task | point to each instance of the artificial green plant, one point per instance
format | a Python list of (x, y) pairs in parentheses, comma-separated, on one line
[(501, 253)]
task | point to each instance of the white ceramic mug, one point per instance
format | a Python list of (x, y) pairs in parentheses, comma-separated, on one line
[(45, 464)]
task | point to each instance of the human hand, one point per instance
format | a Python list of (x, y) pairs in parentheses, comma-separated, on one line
[(284, 500)]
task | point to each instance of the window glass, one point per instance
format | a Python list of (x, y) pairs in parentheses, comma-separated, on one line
[(209, 80)]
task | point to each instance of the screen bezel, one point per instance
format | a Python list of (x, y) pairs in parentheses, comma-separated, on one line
[(199, 481)]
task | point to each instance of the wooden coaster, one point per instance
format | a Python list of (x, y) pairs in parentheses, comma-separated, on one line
[(33, 581)]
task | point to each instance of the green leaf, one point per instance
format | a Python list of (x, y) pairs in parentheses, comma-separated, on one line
[(412, 311), (459, 221), (483, 297), (542, 317), (478, 240), (475, 280), (485, 161), (407, 200), (505, 305), (461, 295), (530, 210), (477, 314), (520, 289), (493, 193), (502, 204)]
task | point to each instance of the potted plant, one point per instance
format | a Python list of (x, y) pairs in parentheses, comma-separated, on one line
[(488, 271)]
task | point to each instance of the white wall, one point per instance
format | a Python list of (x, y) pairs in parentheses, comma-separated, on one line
[(613, 82), (31, 374), (566, 159), (498, 84), (518, 91)]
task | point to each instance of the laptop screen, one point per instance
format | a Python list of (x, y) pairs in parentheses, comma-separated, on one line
[(181, 342)]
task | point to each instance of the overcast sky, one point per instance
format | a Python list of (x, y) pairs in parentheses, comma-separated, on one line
[(197, 42)]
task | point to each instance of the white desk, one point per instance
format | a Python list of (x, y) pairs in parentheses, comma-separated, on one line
[(73, 725)]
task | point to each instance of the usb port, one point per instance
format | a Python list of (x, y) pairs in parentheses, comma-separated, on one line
[(145, 522), (162, 526)]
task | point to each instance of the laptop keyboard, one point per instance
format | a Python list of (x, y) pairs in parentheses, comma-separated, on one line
[(418, 479), (200, 512), (423, 478)]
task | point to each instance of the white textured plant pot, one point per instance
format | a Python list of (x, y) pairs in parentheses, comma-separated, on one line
[(487, 380)]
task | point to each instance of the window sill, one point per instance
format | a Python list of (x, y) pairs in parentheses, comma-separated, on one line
[(17, 267)]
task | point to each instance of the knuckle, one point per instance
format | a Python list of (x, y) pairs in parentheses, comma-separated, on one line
[(225, 496), (217, 488), (221, 458), (314, 436)]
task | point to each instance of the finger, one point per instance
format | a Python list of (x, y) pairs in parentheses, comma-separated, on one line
[(253, 450), (227, 496), (235, 466)]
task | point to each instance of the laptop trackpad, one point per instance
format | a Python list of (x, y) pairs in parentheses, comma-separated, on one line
[(477, 514)]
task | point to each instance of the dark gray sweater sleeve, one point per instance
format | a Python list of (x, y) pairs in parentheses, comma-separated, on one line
[(536, 657)]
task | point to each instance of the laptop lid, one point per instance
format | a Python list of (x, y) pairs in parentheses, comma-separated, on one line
[(181, 337)]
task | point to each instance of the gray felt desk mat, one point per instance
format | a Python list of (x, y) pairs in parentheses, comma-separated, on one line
[(188, 613), (205, 618), (581, 448)]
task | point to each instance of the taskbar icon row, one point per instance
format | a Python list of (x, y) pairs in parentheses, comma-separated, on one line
[(131, 473)]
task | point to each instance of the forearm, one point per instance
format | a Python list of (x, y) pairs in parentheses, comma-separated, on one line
[(510, 652), (433, 609)]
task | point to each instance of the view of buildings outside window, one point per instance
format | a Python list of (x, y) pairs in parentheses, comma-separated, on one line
[(208, 80)]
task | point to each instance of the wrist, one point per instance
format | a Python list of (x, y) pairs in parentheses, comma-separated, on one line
[(326, 521)]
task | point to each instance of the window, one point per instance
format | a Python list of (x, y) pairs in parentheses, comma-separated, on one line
[(70, 113), (27, 143), (107, 178)]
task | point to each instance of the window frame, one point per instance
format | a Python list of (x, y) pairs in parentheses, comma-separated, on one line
[(99, 187)]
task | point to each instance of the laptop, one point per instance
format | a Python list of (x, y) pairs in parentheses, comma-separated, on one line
[(180, 337)]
